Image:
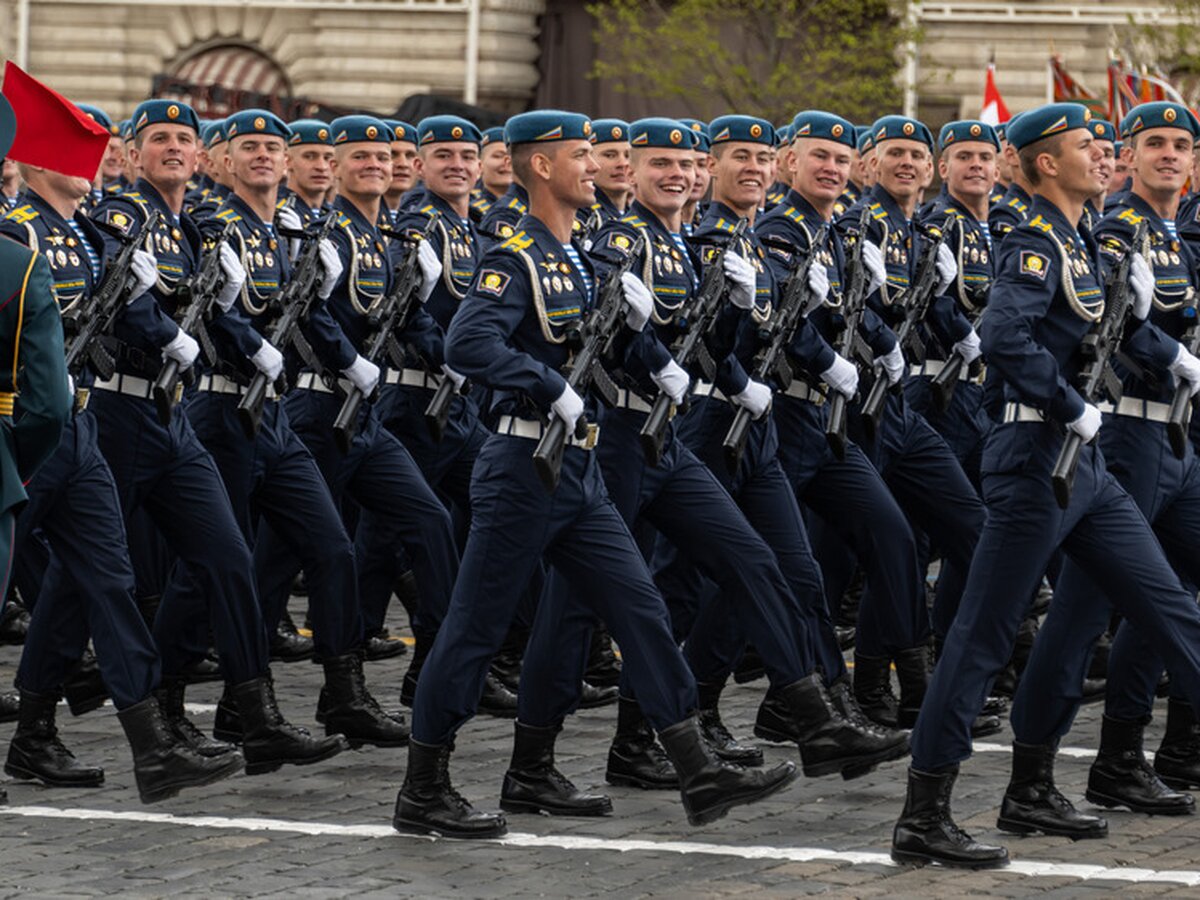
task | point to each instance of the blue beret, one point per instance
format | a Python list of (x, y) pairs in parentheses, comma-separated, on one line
[(1103, 130), (493, 136), (547, 125), (357, 129), (1162, 114), (862, 138), (812, 123), (699, 134), (1001, 130), (100, 116), (8, 126), (309, 131), (741, 128), (783, 134), (1117, 145), (967, 130), (213, 133), (1046, 121), (892, 128), (172, 112), (255, 121), (660, 132), (608, 131), (443, 129), (401, 130), (126, 127)]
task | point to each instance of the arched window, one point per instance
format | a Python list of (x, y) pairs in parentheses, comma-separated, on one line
[(218, 80)]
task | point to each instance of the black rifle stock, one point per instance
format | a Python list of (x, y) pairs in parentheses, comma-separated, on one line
[(295, 301), (94, 317), (594, 339), (776, 335), (695, 322), (850, 343), (1097, 377)]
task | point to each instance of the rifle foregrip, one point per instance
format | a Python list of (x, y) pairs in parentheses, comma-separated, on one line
[(250, 408), (945, 381), (548, 456), (654, 430), (735, 439), (1063, 476), (164, 390), (835, 428), (872, 410), (1177, 420), (345, 426), (438, 410)]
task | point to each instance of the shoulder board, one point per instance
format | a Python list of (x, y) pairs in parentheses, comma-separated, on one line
[(723, 224), (594, 206), (226, 214), (22, 214), (343, 221), (794, 214), (877, 211), (952, 211), (634, 221), (1017, 203), (839, 207), (282, 203), (515, 203), (1128, 214), (519, 241), (427, 209), (1040, 224)]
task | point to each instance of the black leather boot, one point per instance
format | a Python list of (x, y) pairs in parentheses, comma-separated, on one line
[(351, 710), (926, 832), (288, 644), (14, 621), (912, 671), (750, 667), (533, 783), (380, 644), (204, 670), (162, 764), (873, 690), (270, 741), (1120, 776), (1177, 761), (429, 804), (603, 667), (497, 700), (710, 787), (36, 753), (592, 697), (773, 722), (10, 706), (830, 743), (422, 644), (635, 759), (506, 664), (1033, 803), (725, 744), (170, 702), (83, 687)]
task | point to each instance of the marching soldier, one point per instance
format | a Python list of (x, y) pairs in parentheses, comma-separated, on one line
[(1013, 208), (215, 143), (404, 169), (1105, 136), (495, 172), (309, 170), (693, 210), (614, 189)]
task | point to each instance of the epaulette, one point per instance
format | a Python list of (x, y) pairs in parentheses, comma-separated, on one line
[(518, 242), (794, 214), (595, 206), (877, 211), (427, 209), (1018, 204), (114, 188), (343, 220), (1041, 224), (1130, 216), (723, 225), (839, 207), (281, 203), (633, 220), (22, 214), (515, 203), (228, 214)]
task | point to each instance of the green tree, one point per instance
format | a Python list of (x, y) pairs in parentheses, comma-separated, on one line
[(770, 58)]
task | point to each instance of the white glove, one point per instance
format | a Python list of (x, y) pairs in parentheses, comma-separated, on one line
[(842, 376), (947, 268), (968, 348), (183, 349), (673, 381), (640, 302), (818, 286), (893, 364), (1141, 280), (289, 218), (363, 374), (268, 360), (235, 276), (459, 380), (872, 258), (1087, 424), (1186, 367), (743, 281), (143, 273), (331, 268), (568, 407), (756, 398), (431, 268)]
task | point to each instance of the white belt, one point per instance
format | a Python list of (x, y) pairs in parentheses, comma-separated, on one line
[(708, 389), (219, 384), (125, 384), (311, 381), (412, 378), (528, 428), (803, 391), (630, 400), (1138, 409), (1019, 412), (933, 367)]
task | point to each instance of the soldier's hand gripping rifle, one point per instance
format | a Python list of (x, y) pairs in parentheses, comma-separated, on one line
[(695, 321), (585, 370), (1097, 377), (916, 302), (775, 336), (295, 302), (386, 321), (1178, 418), (850, 342), (93, 318), (197, 296)]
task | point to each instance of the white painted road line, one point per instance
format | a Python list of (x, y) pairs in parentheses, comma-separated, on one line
[(1022, 867)]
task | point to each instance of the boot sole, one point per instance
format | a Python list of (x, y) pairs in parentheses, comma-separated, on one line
[(707, 816), (1113, 803), (263, 766), (910, 858), (1179, 784), (631, 781), (524, 806), (498, 713), (82, 707), (856, 766), (770, 734), (25, 774), (165, 792), (404, 826), (1012, 826), (356, 743)]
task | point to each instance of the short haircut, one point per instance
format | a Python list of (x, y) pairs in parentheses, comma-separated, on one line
[(522, 159), (1029, 154)]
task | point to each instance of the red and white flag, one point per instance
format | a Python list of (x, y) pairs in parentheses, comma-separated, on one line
[(994, 111)]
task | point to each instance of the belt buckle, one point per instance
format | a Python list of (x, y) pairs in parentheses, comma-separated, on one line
[(82, 395), (592, 437)]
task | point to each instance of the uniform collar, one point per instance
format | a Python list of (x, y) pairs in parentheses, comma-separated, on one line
[(888, 202), (1015, 190), (653, 222), (344, 206), (800, 203), (603, 201), (243, 210), (1040, 206)]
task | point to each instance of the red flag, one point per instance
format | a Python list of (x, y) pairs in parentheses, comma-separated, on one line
[(994, 110), (52, 132), (1067, 89)]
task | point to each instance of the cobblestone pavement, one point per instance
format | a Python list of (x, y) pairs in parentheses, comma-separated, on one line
[(325, 830)]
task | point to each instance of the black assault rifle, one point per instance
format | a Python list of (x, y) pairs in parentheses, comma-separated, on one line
[(1181, 403), (850, 343)]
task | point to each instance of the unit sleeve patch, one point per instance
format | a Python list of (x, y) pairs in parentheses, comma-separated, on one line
[(1034, 264), (493, 282)]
